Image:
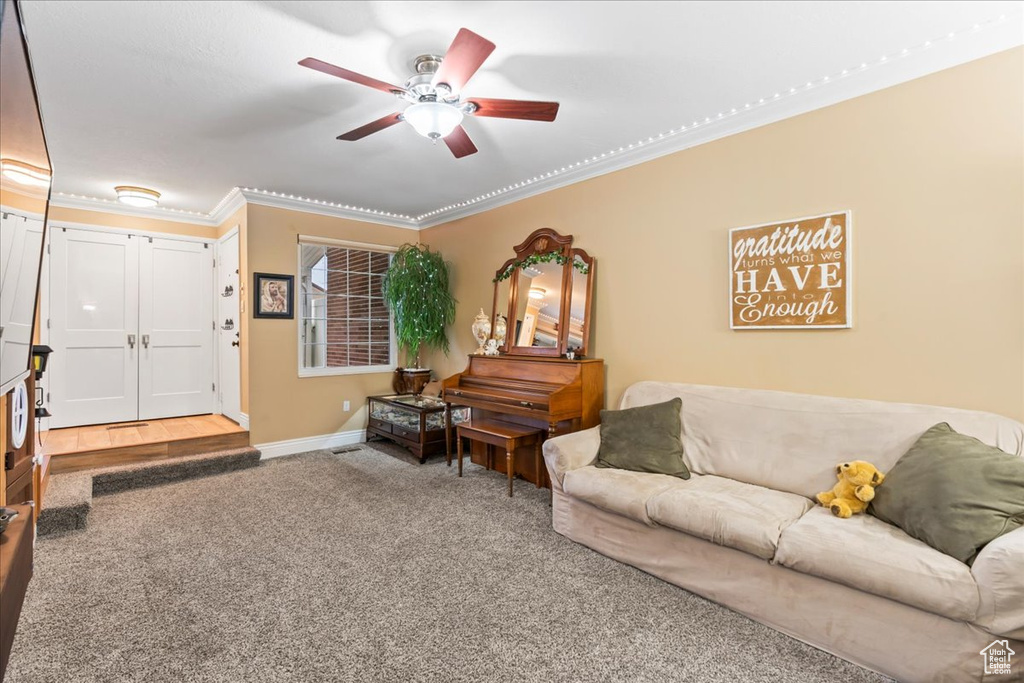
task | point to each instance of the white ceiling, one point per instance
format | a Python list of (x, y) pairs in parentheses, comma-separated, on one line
[(195, 98)]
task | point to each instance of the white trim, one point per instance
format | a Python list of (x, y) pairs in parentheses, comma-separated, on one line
[(301, 346), (276, 449), (227, 206), (68, 201), (292, 203), (313, 240), (348, 370), (243, 421)]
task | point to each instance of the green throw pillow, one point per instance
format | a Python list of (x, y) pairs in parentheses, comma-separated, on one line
[(644, 439), (953, 492)]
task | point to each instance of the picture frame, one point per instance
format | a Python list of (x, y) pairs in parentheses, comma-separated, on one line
[(273, 296)]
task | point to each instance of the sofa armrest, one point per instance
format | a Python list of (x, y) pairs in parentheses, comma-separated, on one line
[(571, 451), (999, 571)]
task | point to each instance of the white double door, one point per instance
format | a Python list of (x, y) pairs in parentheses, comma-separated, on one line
[(131, 326)]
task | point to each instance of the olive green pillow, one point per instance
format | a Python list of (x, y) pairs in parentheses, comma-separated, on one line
[(644, 439), (953, 492)]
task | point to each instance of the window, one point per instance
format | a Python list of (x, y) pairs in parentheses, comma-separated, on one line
[(345, 326)]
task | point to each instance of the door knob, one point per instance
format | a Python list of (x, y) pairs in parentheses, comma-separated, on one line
[(131, 341), (234, 343)]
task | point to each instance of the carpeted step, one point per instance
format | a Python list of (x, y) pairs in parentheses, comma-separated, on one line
[(67, 504), (139, 475)]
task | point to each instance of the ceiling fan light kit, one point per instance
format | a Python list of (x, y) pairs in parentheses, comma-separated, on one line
[(433, 119), (434, 91)]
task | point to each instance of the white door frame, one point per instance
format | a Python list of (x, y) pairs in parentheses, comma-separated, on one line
[(44, 297), (243, 419)]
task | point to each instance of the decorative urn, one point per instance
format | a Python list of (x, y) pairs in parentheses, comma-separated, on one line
[(481, 330)]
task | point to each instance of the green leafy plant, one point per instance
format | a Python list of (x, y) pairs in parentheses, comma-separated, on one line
[(541, 258), (417, 290)]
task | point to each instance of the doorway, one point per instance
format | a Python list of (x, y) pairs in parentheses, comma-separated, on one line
[(131, 325), (229, 335)]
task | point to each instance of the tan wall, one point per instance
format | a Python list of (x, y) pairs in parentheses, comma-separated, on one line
[(21, 202), (933, 171), (116, 220), (281, 404)]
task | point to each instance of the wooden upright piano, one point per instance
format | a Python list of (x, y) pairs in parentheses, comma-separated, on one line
[(554, 394)]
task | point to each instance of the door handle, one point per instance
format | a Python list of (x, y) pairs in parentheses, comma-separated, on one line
[(131, 341), (234, 343), (145, 341)]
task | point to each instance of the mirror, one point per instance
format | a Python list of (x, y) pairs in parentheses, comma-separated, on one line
[(582, 275), (536, 288), (538, 313), (25, 185)]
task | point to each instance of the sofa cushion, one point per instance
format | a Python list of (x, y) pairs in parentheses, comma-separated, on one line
[(866, 553), (727, 512), (953, 492), (792, 442), (620, 491), (644, 439)]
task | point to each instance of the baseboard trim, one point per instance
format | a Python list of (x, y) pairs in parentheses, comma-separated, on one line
[(276, 449), (243, 421)]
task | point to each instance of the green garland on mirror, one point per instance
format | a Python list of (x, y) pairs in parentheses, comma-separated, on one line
[(417, 289), (542, 258)]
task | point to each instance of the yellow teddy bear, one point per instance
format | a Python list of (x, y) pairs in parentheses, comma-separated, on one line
[(856, 488)]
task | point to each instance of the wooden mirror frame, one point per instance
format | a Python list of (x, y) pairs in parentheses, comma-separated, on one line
[(589, 306), (543, 241)]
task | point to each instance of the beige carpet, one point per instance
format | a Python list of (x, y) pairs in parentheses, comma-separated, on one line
[(362, 566)]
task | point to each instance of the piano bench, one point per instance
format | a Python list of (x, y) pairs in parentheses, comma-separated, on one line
[(506, 435)]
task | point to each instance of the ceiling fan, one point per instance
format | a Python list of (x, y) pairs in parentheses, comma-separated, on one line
[(435, 91)]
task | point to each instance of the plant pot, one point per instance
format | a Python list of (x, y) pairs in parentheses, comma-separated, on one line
[(410, 380)]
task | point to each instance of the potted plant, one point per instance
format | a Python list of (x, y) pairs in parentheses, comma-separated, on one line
[(417, 290)]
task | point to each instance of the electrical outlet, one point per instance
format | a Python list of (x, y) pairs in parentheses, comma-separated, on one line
[(346, 406)]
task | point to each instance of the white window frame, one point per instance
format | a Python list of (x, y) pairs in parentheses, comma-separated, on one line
[(313, 241)]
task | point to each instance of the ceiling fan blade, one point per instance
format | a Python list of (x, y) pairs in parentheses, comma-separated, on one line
[(465, 55), (372, 127), (515, 109), (459, 143), (331, 70)]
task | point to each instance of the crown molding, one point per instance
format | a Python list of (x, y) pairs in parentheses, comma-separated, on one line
[(943, 52), (75, 201), (950, 50), (325, 208)]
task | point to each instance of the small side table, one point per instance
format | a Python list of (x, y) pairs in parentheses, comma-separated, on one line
[(506, 435)]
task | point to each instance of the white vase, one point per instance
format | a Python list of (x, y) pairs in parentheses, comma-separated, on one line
[(500, 328), (481, 330)]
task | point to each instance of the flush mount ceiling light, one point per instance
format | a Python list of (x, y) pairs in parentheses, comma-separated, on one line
[(433, 119), (137, 196), (537, 293), (24, 174)]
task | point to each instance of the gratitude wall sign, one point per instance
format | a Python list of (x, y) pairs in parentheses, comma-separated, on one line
[(791, 274)]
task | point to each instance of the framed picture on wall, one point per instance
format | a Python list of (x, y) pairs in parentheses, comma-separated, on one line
[(273, 296)]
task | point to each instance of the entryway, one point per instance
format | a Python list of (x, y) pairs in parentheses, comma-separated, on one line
[(131, 320), (94, 446)]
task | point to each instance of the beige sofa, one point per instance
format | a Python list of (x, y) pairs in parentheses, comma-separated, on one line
[(744, 530)]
